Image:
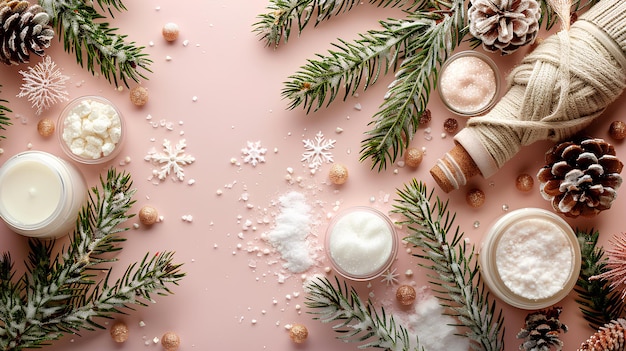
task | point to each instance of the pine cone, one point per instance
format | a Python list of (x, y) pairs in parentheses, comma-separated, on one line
[(23, 29), (581, 177), (504, 25), (541, 330), (610, 337)]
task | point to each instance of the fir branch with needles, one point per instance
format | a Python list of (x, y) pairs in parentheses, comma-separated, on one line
[(4, 119), (453, 265), (94, 42), (355, 320), (63, 292), (597, 301)]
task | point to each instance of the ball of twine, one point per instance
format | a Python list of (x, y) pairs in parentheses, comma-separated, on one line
[(556, 91)]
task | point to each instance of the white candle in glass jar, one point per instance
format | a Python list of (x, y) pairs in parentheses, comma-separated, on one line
[(361, 243), (40, 194)]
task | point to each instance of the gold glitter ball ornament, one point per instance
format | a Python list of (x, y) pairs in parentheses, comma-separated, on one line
[(170, 341), (406, 295), (119, 332), (524, 182), (413, 157), (170, 31), (148, 215), (45, 127), (298, 333), (475, 198), (139, 95), (338, 174), (617, 130)]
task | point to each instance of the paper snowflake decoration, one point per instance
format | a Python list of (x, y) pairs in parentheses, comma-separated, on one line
[(44, 85), (253, 153), (390, 277), (615, 265), (317, 151), (171, 160)]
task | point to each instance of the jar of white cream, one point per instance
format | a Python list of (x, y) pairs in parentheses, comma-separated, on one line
[(361, 243), (40, 194), (530, 258)]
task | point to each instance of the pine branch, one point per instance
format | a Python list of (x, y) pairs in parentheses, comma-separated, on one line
[(455, 272), (281, 15), (355, 320), (597, 301), (94, 42), (4, 119), (59, 293)]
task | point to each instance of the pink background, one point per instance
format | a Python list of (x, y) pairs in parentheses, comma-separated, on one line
[(232, 299)]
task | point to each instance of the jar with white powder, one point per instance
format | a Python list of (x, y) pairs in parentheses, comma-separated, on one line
[(530, 258), (361, 243), (91, 130)]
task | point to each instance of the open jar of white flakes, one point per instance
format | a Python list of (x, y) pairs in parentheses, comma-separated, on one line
[(91, 130), (530, 258)]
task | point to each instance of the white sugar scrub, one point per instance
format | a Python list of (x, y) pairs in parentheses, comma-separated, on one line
[(361, 243), (289, 236), (91, 130), (530, 258), (469, 83)]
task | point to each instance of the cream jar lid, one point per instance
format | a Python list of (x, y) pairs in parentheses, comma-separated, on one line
[(530, 258)]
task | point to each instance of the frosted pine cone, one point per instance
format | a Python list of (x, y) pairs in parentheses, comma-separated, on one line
[(23, 29), (504, 25), (610, 337), (581, 177)]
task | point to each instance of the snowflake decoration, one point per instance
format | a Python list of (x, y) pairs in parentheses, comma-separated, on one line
[(253, 153), (317, 151), (44, 85), (171, 160), (390, 277)]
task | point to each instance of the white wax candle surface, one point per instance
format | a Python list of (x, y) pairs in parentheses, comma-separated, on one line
[(468, 84), (534, 258), (361, 242), (30, 192)]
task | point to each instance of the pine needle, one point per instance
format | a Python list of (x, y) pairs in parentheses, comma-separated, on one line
[(4, 119)]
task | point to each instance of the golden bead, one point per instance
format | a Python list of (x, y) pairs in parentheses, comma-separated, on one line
[(119, 332), (170, 31), (45, 127), (413, 157), (298, 333), (338, 174), (617, 130), (148, 215), (170, 341), (406, 295), (139, 95), (524, 182), (475, 198)]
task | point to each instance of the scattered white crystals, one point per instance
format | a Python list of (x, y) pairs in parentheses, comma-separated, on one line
[(253, 153), (171, 160), (317, 151), (289, 236), (44, 85)]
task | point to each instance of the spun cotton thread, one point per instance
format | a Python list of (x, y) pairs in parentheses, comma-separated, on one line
[(556, 91)]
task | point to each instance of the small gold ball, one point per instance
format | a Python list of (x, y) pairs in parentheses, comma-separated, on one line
[(475, 198), (617, 130), (148, 215), (413, 157), (338, 174), (139, 95), (406, 295), (170, 31), (170, 341), (298, 333), (119, 332), (524, 182), (45, 127)]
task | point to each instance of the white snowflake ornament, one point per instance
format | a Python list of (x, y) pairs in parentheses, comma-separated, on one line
[(317, 151), (253, 153), (44, 85), (171, 160)]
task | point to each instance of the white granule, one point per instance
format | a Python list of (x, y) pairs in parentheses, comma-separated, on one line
[(534, 258), (289, 236)]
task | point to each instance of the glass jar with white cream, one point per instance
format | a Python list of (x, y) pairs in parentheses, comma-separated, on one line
[(40, 194), (530, 258), (361, 243)]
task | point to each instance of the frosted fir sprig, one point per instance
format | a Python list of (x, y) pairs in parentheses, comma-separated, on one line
[(64, 292), (455, 272), (94, 42), (355, 320), (4, 119)]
